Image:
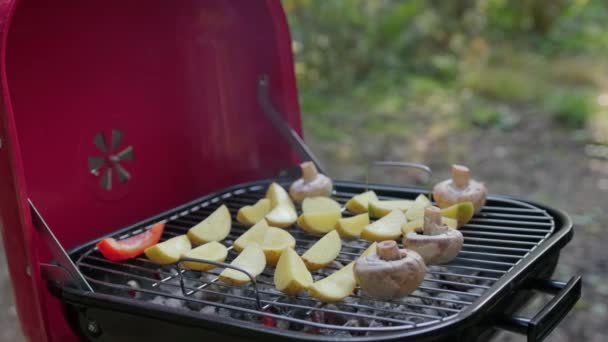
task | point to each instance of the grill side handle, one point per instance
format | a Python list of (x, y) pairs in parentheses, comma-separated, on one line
[(542, 324)]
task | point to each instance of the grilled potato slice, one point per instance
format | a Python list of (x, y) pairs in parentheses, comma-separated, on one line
[(275, 241), (339, 284), (323, 251), (251, 259), (319, 223), (380, 209), (254, 234), (291, 275), (214, 228), (213, 251), (252, 214), (359, 204), (386, 228), (169, 251), (462, 212), (282, 216), (416, 211), (277, 195), (351, 227), (319, 204)]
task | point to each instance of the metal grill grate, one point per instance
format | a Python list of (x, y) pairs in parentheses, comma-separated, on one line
[(503, 234)]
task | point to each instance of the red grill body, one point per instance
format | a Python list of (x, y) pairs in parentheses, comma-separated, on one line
[(173, 84)]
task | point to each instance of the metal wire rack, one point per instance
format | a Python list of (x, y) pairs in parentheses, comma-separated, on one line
[(496, 240)]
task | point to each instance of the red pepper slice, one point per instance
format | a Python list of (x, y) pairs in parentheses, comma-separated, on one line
[(117, 250)]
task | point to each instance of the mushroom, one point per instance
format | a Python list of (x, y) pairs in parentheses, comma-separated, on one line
[(438, 243), (311, 184), (461, 188), (390, 272)]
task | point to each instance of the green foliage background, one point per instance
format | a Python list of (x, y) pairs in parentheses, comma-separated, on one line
[(469, 62)]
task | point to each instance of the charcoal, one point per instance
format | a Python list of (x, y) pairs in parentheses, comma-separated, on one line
[(417, 305), (459, 279), (136, 287), (352, 323), (206, 295), (335, 333), (427, 297), (414, 319), (332, 318), (373, 324), (335, 264), (224, 312), (158, 300), (174, 303), (208, 310), (282, 324), (477, 290), (449, 296)]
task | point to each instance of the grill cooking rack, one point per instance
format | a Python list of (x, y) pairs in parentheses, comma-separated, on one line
[(495, 241)]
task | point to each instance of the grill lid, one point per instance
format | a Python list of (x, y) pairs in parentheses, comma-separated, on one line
[(136, 109)]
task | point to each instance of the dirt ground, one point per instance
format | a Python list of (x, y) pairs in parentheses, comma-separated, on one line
[(535, 160)]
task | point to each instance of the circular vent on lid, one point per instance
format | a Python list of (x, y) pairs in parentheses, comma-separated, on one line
[(111, 164)]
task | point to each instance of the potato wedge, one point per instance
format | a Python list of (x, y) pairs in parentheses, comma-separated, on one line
[(291, 275), (351, 227), (169, 251), (416, 211), (319, 223), (323, 251), (213, 251), (275, 242), (282, 216), (339, 284), (380, 209), (418, 223), (277, 195), (214, 228), (462, 212), (386, 228), (369, 249), (254, 234), (359, 204), (319, 204), (251, 259), (336, 286), (252, 214)]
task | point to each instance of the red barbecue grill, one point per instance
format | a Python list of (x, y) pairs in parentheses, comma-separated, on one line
[(117, 115)]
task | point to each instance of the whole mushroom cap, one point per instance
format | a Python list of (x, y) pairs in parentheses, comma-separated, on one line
[(311, 184), (390, 272), (439, 244), (460, 188)]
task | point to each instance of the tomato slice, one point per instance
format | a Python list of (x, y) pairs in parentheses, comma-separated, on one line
[(128, 248)]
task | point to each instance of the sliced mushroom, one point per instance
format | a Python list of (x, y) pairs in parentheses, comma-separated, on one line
[(438, 243), (461, 188), (390, 272), (311, 184)]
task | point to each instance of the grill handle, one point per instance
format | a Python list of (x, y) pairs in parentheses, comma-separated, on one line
[(181, 269), (282, 125), (538, 327), (399, 164)]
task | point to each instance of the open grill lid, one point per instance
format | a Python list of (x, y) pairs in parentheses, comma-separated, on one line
[(114, 111)]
